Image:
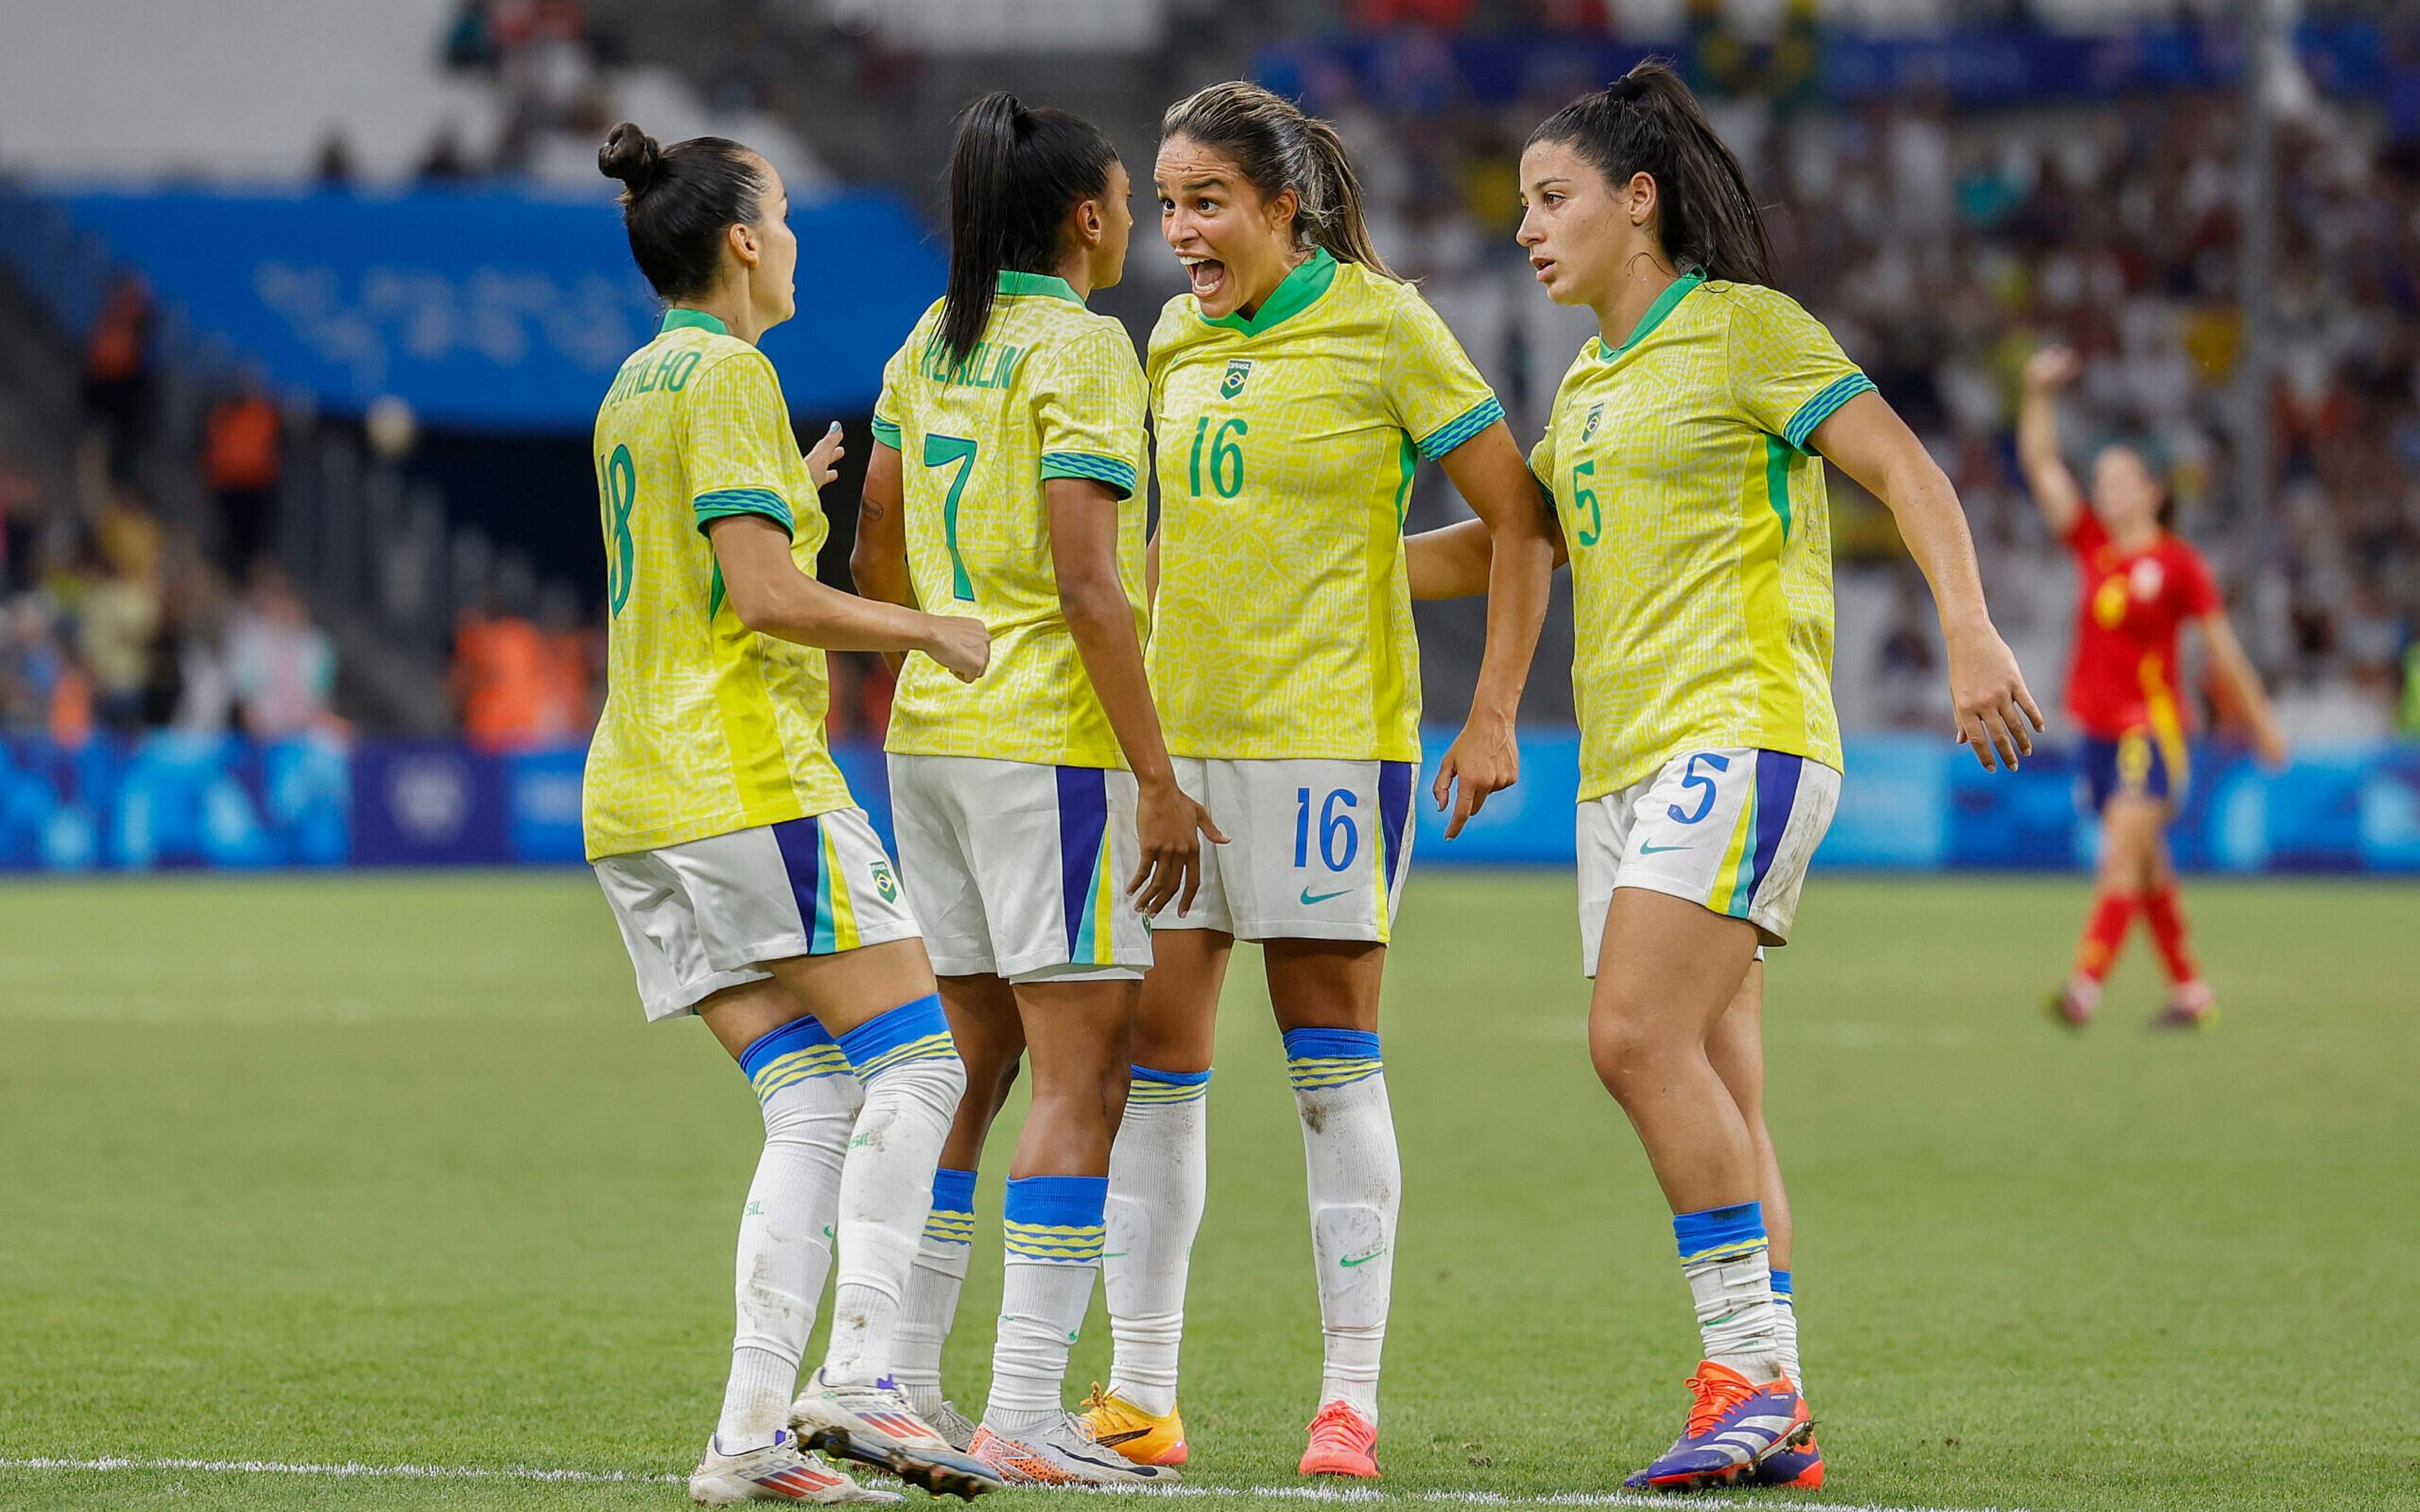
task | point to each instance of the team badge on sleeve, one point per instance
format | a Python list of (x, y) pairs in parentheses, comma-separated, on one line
[(1238, 369)]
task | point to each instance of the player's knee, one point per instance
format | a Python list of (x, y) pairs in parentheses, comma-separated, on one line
[(1626, 1047)]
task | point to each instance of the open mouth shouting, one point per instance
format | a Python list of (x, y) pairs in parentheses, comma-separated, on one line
[(1208, 276)]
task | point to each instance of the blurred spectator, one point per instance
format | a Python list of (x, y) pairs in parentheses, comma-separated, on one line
[(282, 667), (333, 166), (470, 40), (447, 162), (118, 372), (240, 461), (518, 687)]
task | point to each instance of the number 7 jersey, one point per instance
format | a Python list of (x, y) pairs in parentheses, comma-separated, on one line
[(1050, 391), (708, 726), (1287, 444)]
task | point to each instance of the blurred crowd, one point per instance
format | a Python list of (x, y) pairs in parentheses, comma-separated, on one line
[(1945, 245), (114, 621)]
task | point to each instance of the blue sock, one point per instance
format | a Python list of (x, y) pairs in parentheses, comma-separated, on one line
[(1054, 1229), (952, 1218), (793, 1052), (911, 1032), (1317, 1058)]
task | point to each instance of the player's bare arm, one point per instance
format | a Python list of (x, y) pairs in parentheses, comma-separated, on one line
[(877, 562), (2054, 488), (1870, 442), (2234, 664), (1083, 518), (773, 597), (1490, 475)]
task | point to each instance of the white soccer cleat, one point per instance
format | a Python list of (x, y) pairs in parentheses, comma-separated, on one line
[(874, 1425), (952, 1426), (1063, 1454), (780, 1472)]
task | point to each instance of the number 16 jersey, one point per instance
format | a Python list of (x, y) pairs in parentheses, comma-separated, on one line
[(1287, 443)]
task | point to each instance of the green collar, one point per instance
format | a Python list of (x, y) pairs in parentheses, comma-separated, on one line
[(675, 319), (1043, 284), (1655, 312), (1299, 291)]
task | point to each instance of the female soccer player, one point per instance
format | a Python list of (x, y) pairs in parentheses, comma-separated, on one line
[(1295, 389), (1683, 456), (1009, 484), (749, 888), (2139, 583)]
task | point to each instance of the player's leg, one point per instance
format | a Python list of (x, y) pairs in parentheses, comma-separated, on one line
[(981, 1011), (1159, 1164), (1737, 1050), (2115, 774), (2189, 997), (1326, 995), (1078, 1025), (663, 901)]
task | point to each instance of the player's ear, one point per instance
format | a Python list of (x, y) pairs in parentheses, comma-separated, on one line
[(1282, 208), (1089, 226), (742, 238), (1639, 198)]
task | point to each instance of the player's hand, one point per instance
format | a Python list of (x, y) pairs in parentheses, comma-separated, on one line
[(1992, 704), (823, 461), (961, 644), (2052, 368), (1170, 826), (1486, 758), (2269, 743)]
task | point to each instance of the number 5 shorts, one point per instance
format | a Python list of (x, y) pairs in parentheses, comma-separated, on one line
[(1020, 870), (1317, 850), (700, 916), (1731, 830)]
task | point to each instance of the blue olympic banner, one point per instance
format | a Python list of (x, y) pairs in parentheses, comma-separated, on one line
[(489, 309), (1909, 803)]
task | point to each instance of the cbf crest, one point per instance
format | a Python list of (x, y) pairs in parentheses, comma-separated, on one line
[(1238, 369), (1588, 429)]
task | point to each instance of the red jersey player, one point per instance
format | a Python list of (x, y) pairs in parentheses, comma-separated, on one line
[(2139, 585)]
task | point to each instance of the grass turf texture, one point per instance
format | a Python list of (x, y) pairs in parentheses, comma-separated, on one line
[(388, 1170)]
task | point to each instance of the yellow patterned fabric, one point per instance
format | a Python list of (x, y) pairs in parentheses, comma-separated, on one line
[(1700, 540), (708, 726), (1052, 391), (1287, 443)]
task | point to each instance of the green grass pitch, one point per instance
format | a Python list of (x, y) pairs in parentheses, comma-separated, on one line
[(388, 1171)]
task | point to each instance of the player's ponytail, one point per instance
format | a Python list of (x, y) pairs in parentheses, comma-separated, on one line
[(1014, 175), (1646, 121), (678, 202), (1275, 146)]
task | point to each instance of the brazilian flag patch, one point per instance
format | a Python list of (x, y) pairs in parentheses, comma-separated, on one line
[(1238, 369)]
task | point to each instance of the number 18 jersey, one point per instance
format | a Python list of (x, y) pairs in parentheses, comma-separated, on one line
[(1050, 391), (708, 726), (1287, 443)]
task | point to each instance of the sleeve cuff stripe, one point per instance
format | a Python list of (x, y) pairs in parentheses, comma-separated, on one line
[(886, 432), (1117, 474), (725, 502), (1820, 409), (1438, 442)]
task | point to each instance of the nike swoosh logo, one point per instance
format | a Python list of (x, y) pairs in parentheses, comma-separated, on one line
[(1308, 898), (1646, 849), (1351, 1260), (1115, 1253), (1110, 1441)]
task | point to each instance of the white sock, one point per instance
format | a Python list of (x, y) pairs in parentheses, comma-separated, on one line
[(1159, 1174), (1730, 1281), (1785, 1320), (810, 1103), (931, 1304), (913, 1081), (1053, 1228), (1355, 1185)]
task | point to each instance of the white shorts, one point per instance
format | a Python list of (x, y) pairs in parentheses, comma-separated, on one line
[(698, 918), (1317, 850), (1020, 870), (1730, 829)]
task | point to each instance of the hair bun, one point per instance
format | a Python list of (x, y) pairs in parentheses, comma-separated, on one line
[(629, 155), (1626, 90)]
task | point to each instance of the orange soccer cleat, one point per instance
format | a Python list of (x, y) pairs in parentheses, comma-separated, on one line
[(1342, 1443)]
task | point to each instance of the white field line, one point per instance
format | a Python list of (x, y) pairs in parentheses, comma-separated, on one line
[(1348, 1495)]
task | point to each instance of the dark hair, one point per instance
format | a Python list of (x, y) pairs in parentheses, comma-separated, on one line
[(1277, 148), (678, 201), (2152, 458), (1014, 174), (1646, 121)]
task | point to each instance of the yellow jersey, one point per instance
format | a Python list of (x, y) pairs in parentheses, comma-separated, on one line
[(1700, 538), (1052, 391), (708, 726), (1287, 443)]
